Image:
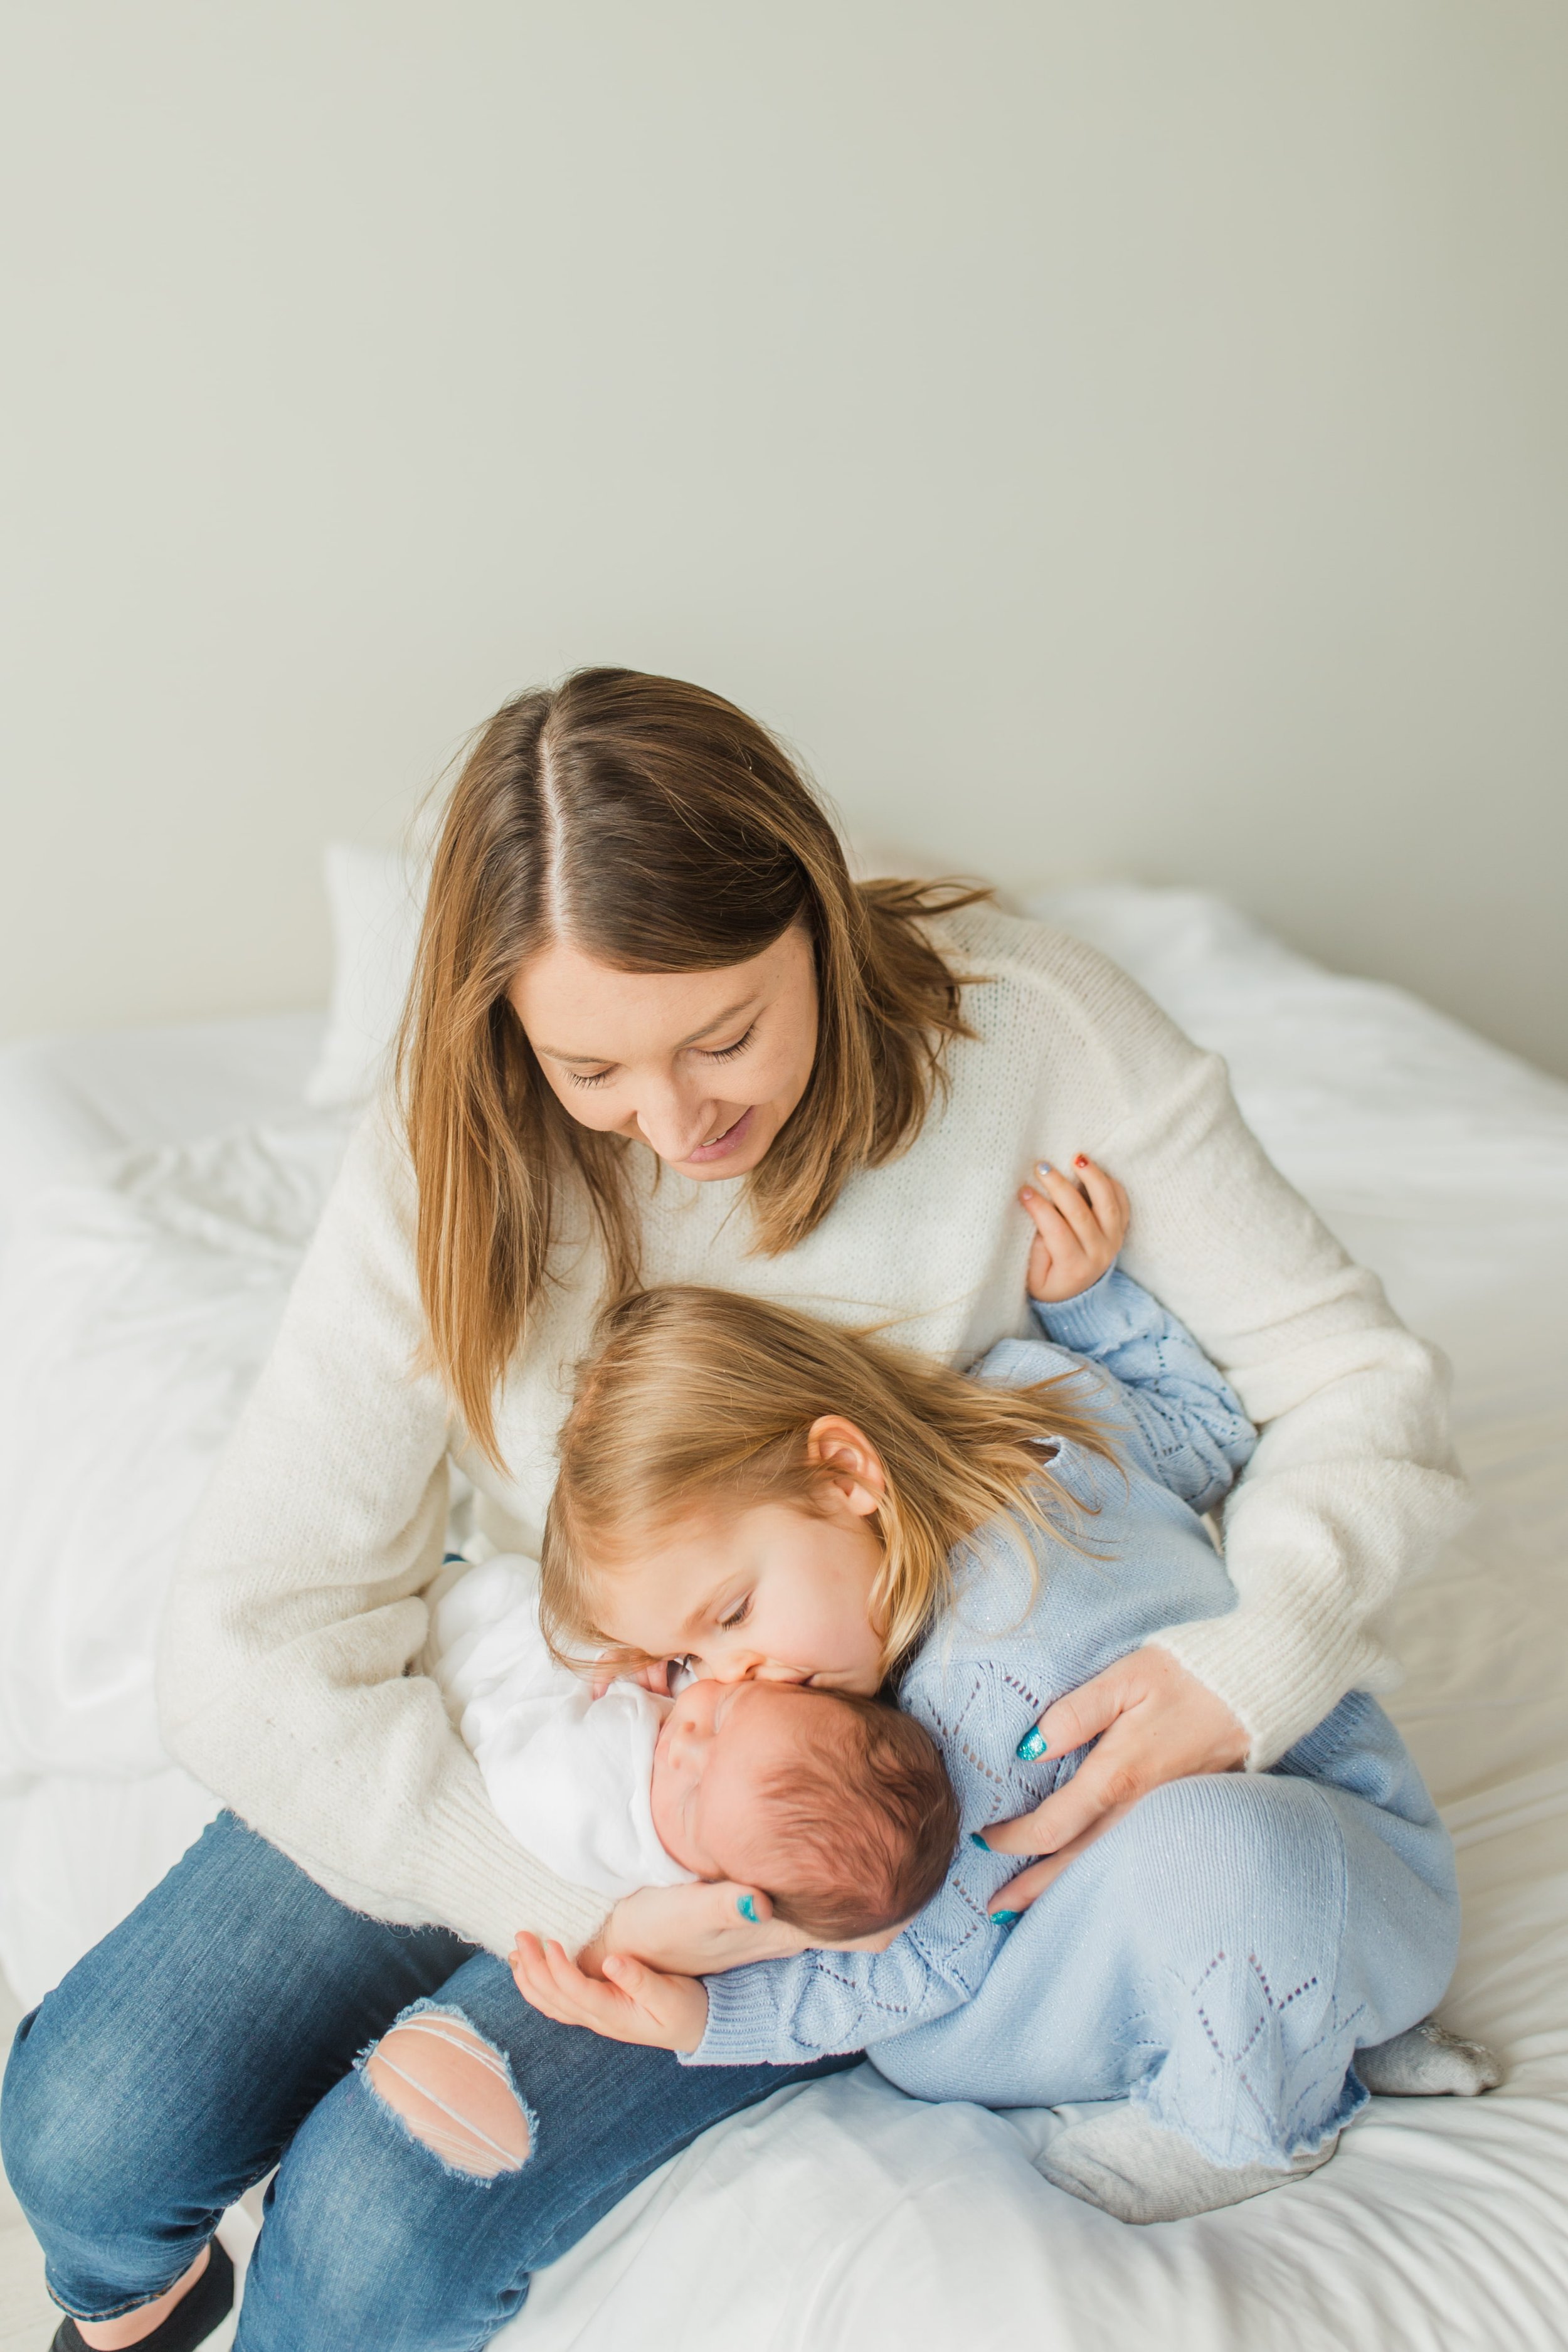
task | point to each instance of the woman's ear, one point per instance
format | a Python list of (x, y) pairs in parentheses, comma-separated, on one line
[(851, 1462)]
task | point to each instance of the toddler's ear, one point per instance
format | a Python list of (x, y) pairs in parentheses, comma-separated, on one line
[(851, 1461)]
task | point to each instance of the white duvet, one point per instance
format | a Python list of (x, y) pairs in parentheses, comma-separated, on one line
[(132, 1313)]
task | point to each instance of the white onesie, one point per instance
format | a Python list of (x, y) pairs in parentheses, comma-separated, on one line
[(568, 1773)]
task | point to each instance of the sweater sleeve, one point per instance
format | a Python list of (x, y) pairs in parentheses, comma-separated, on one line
[(296, 1614), (1353, 1482), (1186, 1419)]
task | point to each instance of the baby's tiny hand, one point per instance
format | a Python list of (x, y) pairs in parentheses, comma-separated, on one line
[(1080, 1223)]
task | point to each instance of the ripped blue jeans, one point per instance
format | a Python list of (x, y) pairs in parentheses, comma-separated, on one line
[(214, 2033)]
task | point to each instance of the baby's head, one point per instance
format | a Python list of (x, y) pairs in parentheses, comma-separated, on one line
[(837, 1806)]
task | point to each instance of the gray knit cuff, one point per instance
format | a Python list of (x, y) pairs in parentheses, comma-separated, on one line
[(1097, 1318), (743, 2024)]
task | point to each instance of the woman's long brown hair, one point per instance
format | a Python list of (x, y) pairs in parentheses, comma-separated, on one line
[(659, 829)]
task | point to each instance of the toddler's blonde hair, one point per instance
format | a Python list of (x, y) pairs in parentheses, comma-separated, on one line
[(695, 1396)]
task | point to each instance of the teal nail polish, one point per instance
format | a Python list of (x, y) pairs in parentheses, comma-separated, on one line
[(1032, 1745), (976, 1839), (746, 1907), (1042, 1167), (1006, 1919)]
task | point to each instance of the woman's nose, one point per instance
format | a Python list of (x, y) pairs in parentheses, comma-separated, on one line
[(672, 1121)]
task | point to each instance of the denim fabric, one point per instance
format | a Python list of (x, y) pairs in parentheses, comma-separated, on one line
[(214, 2036)]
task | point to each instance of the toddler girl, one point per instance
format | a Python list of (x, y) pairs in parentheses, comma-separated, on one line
[(767, 1497)]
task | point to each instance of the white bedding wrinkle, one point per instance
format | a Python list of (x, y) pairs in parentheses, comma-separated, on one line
[(135, 1318)]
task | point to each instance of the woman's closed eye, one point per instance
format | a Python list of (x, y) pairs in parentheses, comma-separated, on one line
[(709, 1053), (727, 1053)]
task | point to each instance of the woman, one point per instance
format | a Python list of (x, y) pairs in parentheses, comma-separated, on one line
[(655, 1032)]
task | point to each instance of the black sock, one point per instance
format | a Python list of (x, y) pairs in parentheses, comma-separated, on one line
[(191, 2321)]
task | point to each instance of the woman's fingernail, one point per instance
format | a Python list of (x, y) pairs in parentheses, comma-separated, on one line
[(1032, 1745), (1081, 1159), (976, 1839), (1042, 1167), (746, 1907), (1006, 1919)]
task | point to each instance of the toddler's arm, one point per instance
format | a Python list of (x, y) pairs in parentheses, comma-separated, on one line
[(1194, 1434), (1198, 1438)]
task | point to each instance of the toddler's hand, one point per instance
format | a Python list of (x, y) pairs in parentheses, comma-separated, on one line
[(1080, 1223), (628, 2003)]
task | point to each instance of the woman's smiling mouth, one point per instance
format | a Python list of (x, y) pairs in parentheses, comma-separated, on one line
[(730, 1141)]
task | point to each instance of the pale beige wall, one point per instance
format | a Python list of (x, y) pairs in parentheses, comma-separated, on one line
[(1115, 437)]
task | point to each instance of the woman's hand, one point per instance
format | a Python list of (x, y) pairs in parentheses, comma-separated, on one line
[(697, 1930), (1152, 1722), (628, 2003), (1080, 1223)]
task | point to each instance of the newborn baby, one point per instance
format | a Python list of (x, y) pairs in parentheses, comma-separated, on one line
[(839, 1807)]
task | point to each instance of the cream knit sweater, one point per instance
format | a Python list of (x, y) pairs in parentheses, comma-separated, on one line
[(289, 1672)]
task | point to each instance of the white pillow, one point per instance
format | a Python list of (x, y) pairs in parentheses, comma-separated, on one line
[(376, 898)]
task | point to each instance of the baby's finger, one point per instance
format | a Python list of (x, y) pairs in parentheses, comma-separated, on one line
[(1106, 1198)]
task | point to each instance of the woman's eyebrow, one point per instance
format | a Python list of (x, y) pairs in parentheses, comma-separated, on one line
[(720, 1021)]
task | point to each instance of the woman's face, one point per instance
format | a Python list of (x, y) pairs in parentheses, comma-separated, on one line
[(702, 1067)]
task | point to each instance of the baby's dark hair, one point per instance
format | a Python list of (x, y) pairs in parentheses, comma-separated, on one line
[(869, 1818)]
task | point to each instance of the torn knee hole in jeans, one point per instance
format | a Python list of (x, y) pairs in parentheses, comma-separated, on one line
[(453, 2093)]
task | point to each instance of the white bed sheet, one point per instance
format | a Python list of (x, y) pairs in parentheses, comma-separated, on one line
[(843, 2215), (69, 1104), (91, 1813)]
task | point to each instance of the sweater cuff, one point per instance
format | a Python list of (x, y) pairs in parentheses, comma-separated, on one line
[(743, 2024), (1086, 1323), (493, 1888), (1279, 1677)]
